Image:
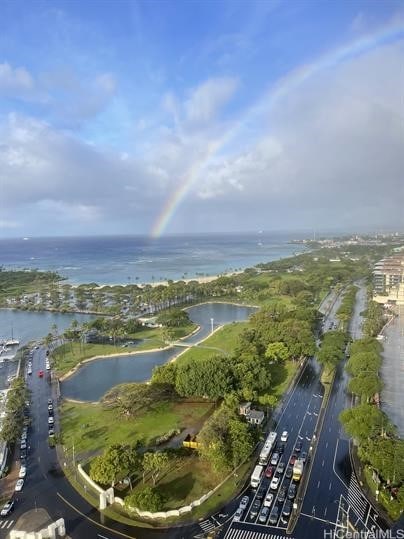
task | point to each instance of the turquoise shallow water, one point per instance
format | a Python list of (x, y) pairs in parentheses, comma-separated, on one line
[(136, 259)]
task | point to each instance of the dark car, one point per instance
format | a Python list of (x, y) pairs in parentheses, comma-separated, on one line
[(273, 517), (292, 491), (289, 472), (303, 456), (255, 509), (282, 495), (298, 446), (50, 401), (263, 515), (261, 493), (287, 508), (7, 508)]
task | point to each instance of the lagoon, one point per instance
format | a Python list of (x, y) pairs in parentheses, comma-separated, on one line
[(92, 380)]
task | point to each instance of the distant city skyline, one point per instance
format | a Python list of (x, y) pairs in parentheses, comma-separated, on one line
[(156, 118)]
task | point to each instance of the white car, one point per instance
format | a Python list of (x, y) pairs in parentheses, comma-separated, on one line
[(274, 483), (50, 420), (50, 407), (268, 499), (23, 445), (245, 500), (19, 485), (275, 459), (48, 367), (238, 515), (23, 472), (29, 371), (284, 436)]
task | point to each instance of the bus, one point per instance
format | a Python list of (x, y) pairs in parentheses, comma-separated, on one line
[(266, 450)]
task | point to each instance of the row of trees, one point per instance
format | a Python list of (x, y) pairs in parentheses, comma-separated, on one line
[(332, 348), (363, 366), (345, 310), (14, 411), (374, 319)]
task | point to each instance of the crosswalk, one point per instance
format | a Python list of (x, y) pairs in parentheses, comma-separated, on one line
[(207, 525), (248, 534), (356, 499), (6, 524)]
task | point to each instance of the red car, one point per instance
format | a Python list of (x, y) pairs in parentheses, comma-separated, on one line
[(40, 374), (292, 459), (269, 471)]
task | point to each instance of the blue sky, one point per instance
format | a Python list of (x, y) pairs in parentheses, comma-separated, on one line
[(155, 117)]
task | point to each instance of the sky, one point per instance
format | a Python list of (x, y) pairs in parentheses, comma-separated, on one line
[(158, 117)]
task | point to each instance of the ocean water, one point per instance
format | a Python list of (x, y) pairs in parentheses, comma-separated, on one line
[(137, 259)]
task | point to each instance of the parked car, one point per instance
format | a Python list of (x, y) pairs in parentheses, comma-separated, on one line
[(254, 509), (284, 436), (260, 493), (298, 446), (7, 508), (282, 494), (263, 515), (50, 401), (19, 485), (269, 471), (289, 472), (23, 445), (238, 515), (292, 491), (273, 517), (274, 483), (293, 459), (287, 508), (50, 420), (245, 500), (22, 472), (303, 456), (281, 468), (269, 498), (275, 459)]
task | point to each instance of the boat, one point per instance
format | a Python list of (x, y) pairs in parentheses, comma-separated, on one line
[(11, 342)]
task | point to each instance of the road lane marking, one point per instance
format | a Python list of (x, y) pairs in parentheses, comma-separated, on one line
[(92, 520)]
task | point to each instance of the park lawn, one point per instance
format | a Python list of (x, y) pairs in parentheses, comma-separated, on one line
[(222, 341), (68, 355), (188, 480), (92, 427)]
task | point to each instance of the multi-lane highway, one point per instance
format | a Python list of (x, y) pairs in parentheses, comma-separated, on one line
[(333, 499)]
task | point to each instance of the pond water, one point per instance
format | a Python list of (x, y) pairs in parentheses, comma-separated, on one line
[(28, 326), (92, 380)]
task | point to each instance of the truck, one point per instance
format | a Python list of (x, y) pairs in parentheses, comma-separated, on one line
[(256, 476), (298, 469)]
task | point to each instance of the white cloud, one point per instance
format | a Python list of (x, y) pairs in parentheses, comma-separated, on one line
[(14, 80), (206, 100)]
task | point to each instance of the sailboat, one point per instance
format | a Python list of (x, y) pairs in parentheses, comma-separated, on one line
[(12, 341)]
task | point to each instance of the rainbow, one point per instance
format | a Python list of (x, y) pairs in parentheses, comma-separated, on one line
[(387, 34)]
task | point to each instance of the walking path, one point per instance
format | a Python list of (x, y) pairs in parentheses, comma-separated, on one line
[(392, 371)]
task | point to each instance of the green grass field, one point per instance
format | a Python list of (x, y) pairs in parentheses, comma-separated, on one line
[(222, 341), (68, 355), (91, 427)]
